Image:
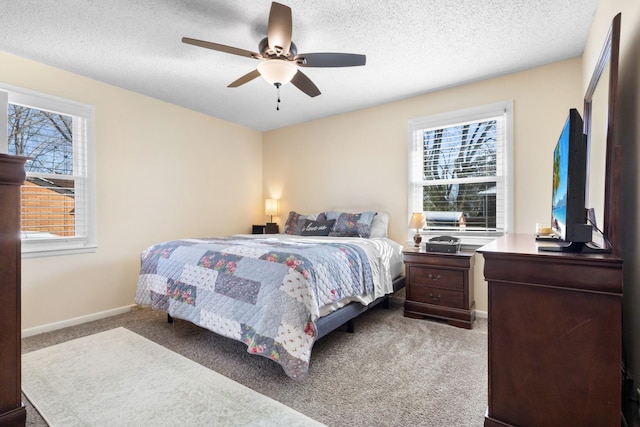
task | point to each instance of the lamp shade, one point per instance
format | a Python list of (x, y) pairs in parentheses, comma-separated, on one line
[(417, 220), (277, 70), (271, 207)]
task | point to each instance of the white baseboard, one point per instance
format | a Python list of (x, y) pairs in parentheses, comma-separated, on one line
[(108, 313), (76, 321)]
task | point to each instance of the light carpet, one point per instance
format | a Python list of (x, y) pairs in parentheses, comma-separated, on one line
[(393, 371), (118, 378)]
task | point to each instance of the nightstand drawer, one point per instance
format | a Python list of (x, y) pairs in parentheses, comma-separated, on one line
[(437, 296), (435, 277)]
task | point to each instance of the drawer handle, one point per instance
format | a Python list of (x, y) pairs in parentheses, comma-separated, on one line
[(434, 297), (432, 277)]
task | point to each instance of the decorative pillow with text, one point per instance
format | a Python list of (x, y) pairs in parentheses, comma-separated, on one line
[(317, 228), (295, 222)]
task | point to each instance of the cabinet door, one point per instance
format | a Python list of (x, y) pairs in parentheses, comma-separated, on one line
[(554, 356)]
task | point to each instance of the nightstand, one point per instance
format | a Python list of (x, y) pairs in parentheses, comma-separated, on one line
[(440, 286)]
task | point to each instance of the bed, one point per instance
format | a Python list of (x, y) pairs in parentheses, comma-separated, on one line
[(276, 293)]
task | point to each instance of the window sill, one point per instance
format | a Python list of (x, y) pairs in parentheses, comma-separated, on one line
[(42, 251), (469, 241)]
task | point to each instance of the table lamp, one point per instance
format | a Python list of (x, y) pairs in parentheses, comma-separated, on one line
[(271, 209), (417, 222)]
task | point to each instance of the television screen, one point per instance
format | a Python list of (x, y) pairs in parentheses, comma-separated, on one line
[(568, 213), (560, 178)]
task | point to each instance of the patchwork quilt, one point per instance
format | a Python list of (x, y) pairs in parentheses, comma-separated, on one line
[(264, 292)]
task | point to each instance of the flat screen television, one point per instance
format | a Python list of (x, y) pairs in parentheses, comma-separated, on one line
[(568, 212)]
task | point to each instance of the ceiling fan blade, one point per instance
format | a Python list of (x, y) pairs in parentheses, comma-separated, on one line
[(245, 79), (330, 59), (221, 48), (280, 28), (304, 83)]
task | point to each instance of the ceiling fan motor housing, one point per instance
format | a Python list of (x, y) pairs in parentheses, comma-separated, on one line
[(267, 52)]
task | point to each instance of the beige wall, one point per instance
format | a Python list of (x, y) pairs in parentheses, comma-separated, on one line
[(627, 135), (163, 172), (358, 160)]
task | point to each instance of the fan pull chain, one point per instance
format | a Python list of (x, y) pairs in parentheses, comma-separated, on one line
[(278, 89)]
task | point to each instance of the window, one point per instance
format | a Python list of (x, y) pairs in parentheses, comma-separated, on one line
[(57, 201), (460, 173)]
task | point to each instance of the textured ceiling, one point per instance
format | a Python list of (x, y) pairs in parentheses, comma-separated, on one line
[(412, 47)]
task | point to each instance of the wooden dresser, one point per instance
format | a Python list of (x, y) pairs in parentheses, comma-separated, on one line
[(12, 175), (555, 336), (439, 285)]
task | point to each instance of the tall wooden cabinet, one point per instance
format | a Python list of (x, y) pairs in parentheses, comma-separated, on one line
[(12, 175), (555, 336)]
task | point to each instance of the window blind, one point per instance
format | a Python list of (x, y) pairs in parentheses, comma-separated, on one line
[(57, 200), (459, 171)]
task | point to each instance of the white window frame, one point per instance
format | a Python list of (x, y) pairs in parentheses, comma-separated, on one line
[(415, 163), (84, 153)]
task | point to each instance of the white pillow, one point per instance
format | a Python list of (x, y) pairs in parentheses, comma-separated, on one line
[(380, 225)]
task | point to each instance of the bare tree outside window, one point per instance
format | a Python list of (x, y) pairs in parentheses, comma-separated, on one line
[(459, 170), (57, 202), (45, 137), (48, 196)]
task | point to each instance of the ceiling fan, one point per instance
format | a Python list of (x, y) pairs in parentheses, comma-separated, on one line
[(279, 55)]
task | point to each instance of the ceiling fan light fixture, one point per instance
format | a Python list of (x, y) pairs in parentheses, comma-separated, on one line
[(277, 71), (278, 55)]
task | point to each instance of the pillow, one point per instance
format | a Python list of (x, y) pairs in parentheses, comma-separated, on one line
[(353, 224), (295, 222), (380, 225), (317, 228), (325, 216)]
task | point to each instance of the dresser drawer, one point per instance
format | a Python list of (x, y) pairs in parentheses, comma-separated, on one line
[(435, 277), (437, 296)]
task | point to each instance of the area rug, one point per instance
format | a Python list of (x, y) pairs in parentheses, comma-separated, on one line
[(118, 378)]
